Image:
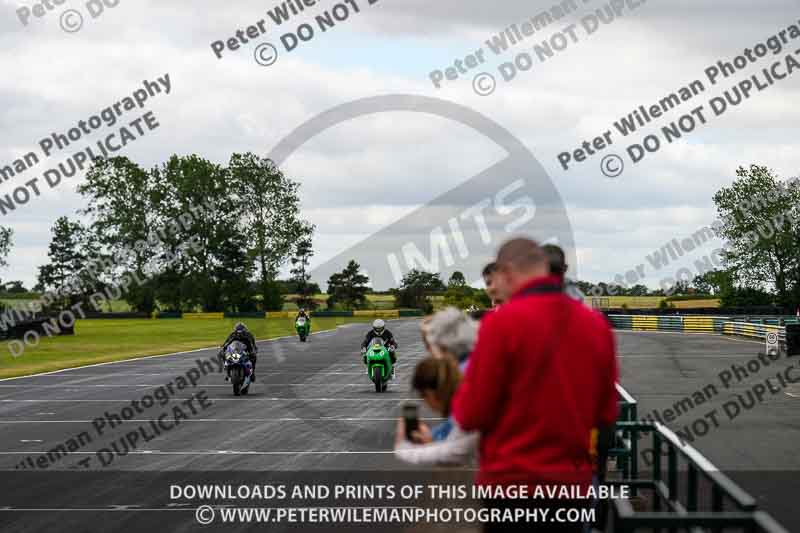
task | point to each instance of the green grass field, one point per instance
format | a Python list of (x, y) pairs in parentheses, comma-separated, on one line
[(99, 341)]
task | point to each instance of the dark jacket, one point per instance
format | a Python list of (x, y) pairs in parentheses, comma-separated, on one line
[(245, 337), (386, 336), (303, 315)]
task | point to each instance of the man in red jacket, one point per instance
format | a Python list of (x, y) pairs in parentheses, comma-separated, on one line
[(541, 378)]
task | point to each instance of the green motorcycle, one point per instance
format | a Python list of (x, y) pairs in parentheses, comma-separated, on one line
[(379, 364), (303, 327)]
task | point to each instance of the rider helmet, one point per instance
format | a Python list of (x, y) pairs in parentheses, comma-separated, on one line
[(378, 326), (240, 327)]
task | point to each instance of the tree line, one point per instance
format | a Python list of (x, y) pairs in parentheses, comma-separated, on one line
[(252, 227)]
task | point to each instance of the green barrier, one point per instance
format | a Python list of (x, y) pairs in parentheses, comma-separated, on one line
[(621, 321), (169, 314), (252, 314), (411, 312), (670, 323)]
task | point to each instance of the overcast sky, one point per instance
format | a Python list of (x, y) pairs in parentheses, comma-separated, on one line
[(362, 175)]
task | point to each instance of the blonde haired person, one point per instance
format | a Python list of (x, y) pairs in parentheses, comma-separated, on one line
[(436, 380)]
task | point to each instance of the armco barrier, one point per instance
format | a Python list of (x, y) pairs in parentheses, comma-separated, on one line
[(41, 326), (685, 491), (280, 314), (788, 335), (251, 314), (760, 331), (378, 313)]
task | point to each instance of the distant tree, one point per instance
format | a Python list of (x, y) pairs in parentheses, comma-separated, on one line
[(270, 207), (300, 276), (6, 241), (747, 297), (459, 294), (457, 279), (415, 289), (66, 274), (232, 273), (760, 217), (482, 300), (123, 203), (584, 286), (679, 288), (15, 287), (715, 282), (290, 286), (348, 288), (638, 290)]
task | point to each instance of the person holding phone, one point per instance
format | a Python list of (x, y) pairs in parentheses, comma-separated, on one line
[(436, 380)]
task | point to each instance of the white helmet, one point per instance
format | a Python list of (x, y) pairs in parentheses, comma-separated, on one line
[(378, 326)]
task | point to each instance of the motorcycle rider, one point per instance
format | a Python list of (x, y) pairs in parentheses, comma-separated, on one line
[(242, 334), (302, 314), (379, 330)]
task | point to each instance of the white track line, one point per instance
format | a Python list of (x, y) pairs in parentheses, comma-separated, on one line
[(247, 399), (200, 385), (218, 452), (248, 420)]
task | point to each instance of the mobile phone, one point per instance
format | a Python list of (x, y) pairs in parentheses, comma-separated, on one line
[(411, 418)]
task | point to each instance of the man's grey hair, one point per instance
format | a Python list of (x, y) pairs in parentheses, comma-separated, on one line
[(452, 330)]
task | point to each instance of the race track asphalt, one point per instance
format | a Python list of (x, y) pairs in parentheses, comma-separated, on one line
[(313, 414)]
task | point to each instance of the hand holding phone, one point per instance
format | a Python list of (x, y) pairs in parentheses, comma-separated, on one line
[(411, 418)]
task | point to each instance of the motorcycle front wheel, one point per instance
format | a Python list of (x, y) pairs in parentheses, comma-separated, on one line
[(236, 379)]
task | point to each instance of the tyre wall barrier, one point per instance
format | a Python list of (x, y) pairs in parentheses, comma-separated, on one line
[(756, 328), (688, 323), (326, 313), (788, 335), (40, 326)]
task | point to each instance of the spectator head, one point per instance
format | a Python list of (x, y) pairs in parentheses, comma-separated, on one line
[(450, 333), (519, 261), (436, 380), (488, 275), (556, 259)]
